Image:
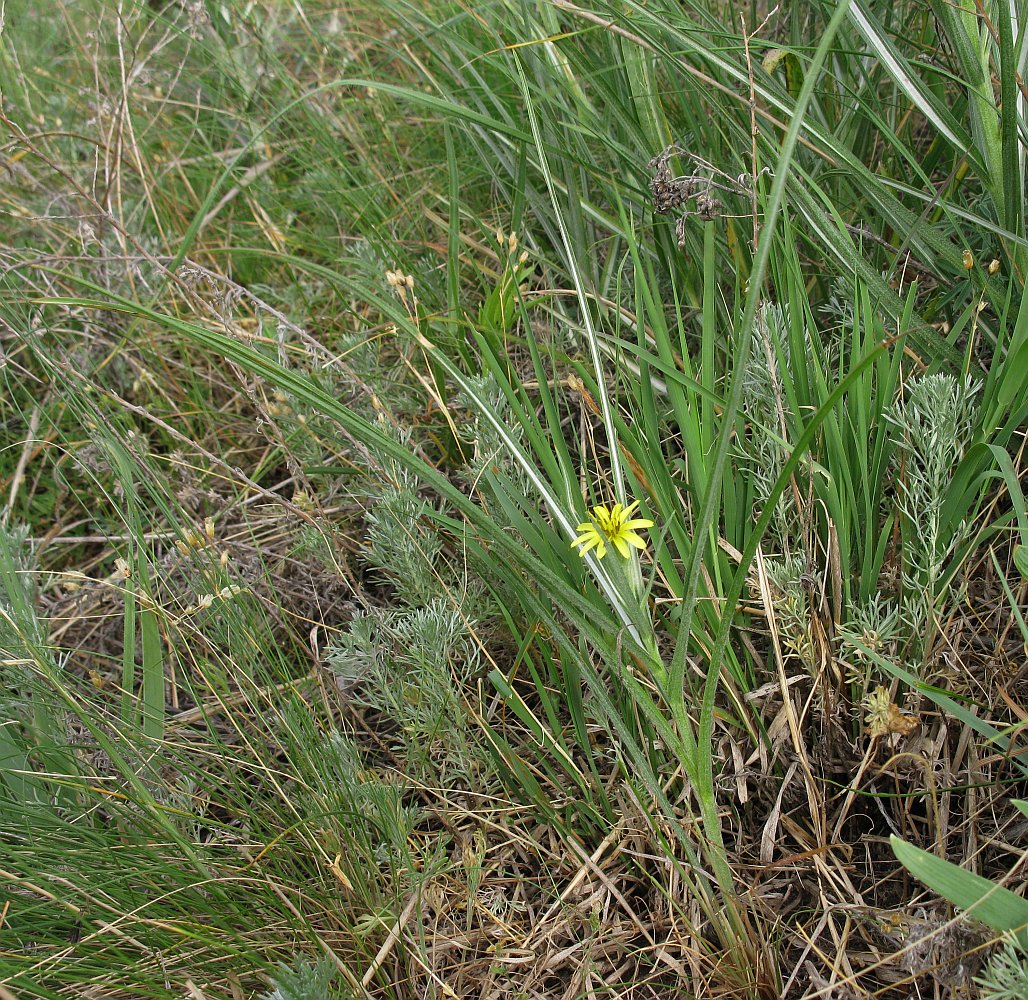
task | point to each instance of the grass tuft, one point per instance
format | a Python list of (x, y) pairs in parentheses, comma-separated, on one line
[(325, 330)]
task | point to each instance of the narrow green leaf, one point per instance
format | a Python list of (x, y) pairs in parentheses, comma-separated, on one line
[(909, 83), (1012, 150), (153, 675), (992, 904), (129, 710)]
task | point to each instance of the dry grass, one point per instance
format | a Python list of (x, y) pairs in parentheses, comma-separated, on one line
[(515, 886)]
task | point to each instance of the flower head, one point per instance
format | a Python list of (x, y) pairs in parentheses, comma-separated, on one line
[(614, 526), (884, 717)]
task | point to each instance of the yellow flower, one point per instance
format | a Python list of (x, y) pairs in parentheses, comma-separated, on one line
[(615, 526)]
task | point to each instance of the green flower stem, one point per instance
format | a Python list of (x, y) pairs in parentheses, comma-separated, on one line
[(626, 577)]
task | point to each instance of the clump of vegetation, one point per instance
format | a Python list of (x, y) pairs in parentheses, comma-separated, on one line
[(516, 501)]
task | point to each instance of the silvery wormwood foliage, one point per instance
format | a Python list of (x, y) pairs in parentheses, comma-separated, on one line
[(305, 981), (490, 454), (762, 383), (402, 543), (790, 605), (1006, 975), (935, 421), (411, 666), (876, 625), (358, 791)]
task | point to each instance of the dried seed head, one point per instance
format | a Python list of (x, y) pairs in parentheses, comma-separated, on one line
[(680, 232), (707, 207), (669, 193), (968, 260)]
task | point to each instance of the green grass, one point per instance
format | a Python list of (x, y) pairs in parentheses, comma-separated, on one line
[(324, 328)]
